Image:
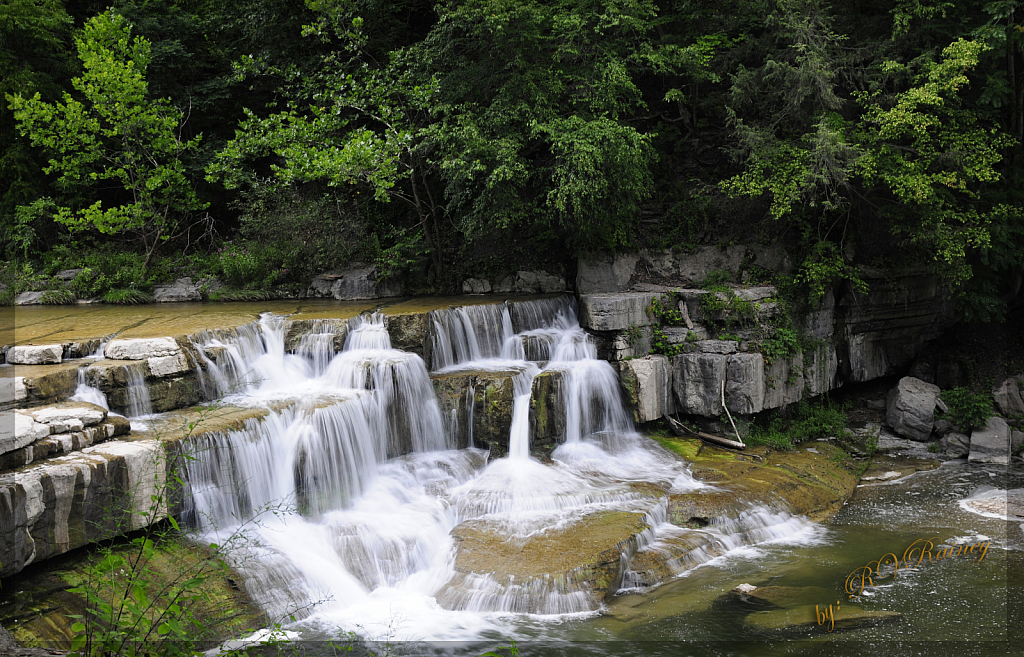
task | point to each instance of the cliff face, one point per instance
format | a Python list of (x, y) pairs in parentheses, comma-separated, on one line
[(852, 337)]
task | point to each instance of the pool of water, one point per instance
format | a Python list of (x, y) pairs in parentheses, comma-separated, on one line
[(956, 606)]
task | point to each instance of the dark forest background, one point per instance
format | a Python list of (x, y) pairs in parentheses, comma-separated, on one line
[(265, 141)]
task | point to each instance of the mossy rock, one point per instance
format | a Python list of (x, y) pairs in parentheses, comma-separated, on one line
[(802, 482), (585, 556)]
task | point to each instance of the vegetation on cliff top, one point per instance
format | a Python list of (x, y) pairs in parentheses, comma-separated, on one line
[(445, 140)]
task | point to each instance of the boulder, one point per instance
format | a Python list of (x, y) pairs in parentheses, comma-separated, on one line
[(82, 412), (615, 312), (753, 294), (68, 274), (647, 384), (1016, 440), (623, 345), (697, 381), (46, 354), (411, 333), (476, 286), (955, 444), (991, 444), (478, 407), (911, 408), (28, 299), (1008, 396), (183, 289), (547, 409), (141, 348), (584, 558)]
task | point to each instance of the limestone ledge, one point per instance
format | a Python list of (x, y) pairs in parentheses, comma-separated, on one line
[(52, 506)]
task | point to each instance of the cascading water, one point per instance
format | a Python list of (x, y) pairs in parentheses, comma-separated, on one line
[(367, 489)]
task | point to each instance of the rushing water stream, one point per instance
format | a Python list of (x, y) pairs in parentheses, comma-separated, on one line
[(348, 492)]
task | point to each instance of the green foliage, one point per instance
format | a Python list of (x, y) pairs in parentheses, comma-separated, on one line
[(103, 269), (805, 420), (126, 297), (934, 157), (934, 448), (967, 410), (823, 268), (783, 343), (634, 334), (117, 137)]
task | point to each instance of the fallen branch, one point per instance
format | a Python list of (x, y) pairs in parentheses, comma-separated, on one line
[(679, 428), (738, 437)]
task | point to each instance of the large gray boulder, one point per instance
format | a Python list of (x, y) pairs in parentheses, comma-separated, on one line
[(43, 354), (1008, 396), (911, 408), (647, 383), (697, 383), (615, 312), (991, 444), (182, 289)]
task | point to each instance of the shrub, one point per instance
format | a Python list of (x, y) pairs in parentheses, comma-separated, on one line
[(967, 410), (805, 421)]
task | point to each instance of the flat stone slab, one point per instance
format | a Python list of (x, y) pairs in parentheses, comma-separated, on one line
[(47, 354), (615, 312), (991, 444), (141, 348)]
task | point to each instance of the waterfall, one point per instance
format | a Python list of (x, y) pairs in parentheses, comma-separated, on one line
[(353, 485), (139, 404), (87, 393)]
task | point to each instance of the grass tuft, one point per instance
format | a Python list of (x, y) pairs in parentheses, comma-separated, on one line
[(127, 297)]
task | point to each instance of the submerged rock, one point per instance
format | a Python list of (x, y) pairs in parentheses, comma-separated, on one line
[(478, 405), (801, 619)]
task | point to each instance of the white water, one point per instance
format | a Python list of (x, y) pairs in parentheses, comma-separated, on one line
[(350, 493)]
